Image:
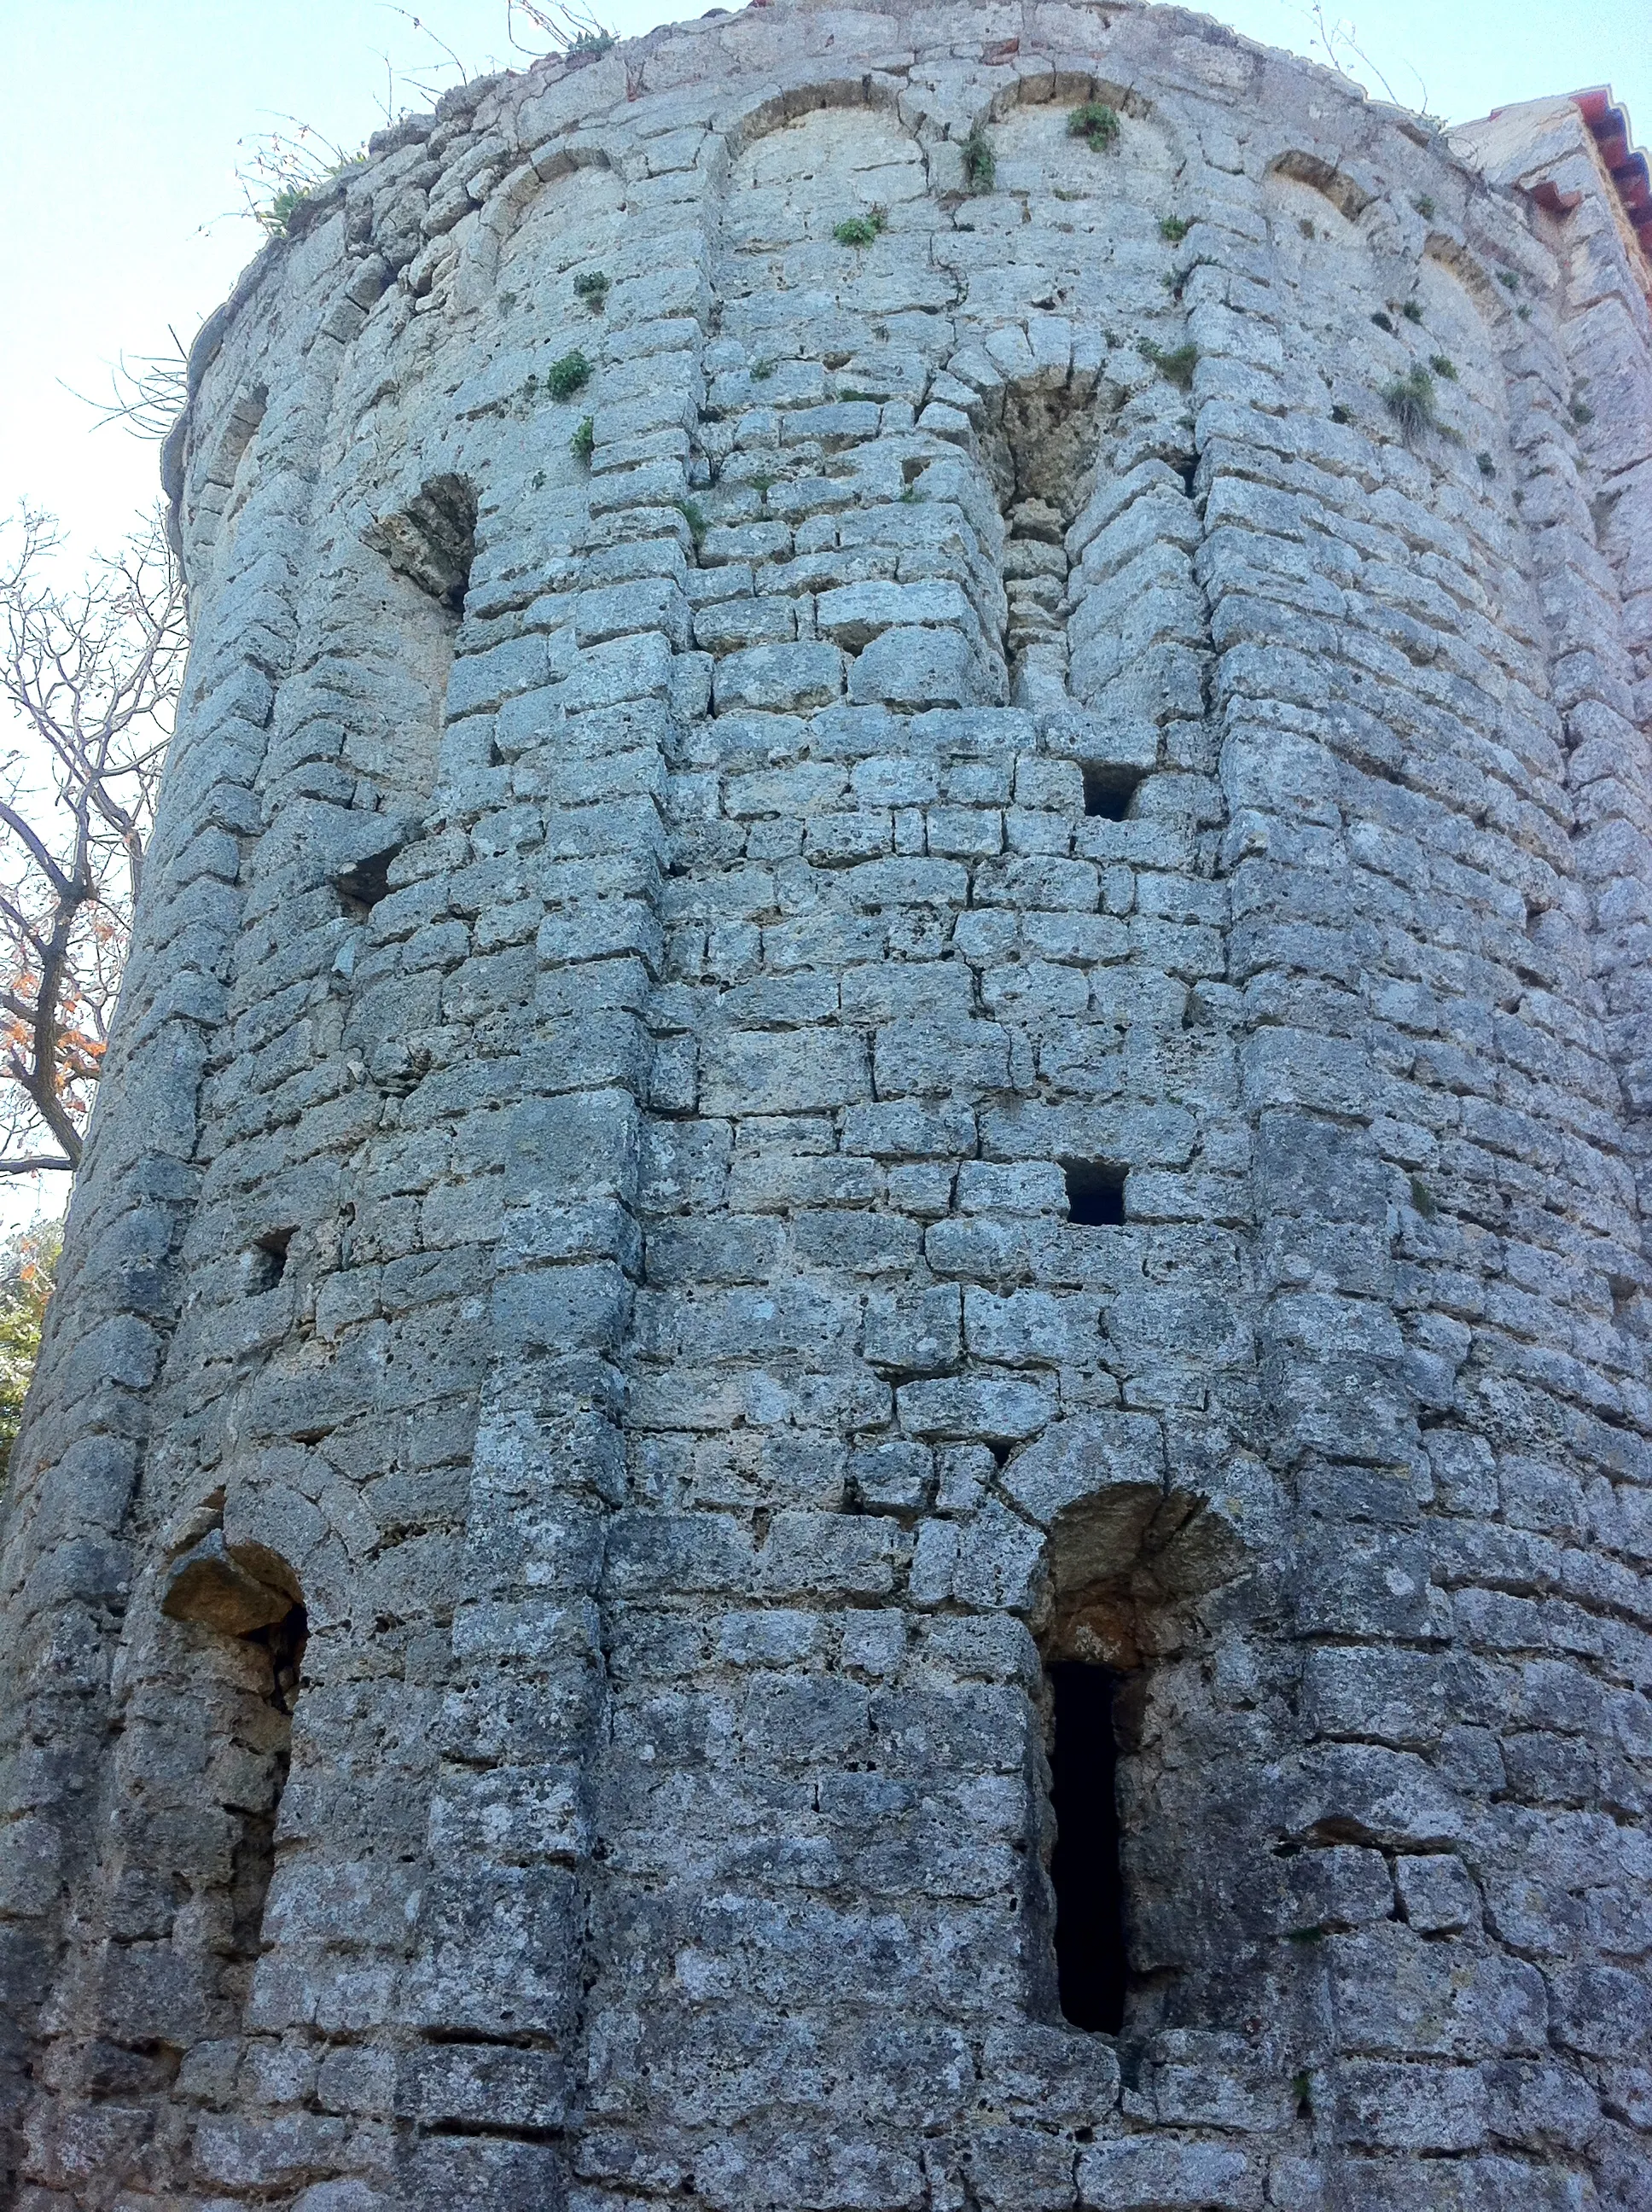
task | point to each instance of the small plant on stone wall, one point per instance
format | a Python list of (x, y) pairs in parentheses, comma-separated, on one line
[(572, 31), (1412, 310), (1443, 365), (1424, 204), (1382, 322), (694, 515), (583, 443), (568, 375), (1409, 400), (1176, 365), (1582, 413), (1508, 279), (283, 170), (979, 162), (592, 288), (1096, 124), (762, 369), (1174, 227), (861, 229), (1488, 467)]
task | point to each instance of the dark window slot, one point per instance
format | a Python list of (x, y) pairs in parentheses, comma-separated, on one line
[(285, 1640), (1084, 1867), (1095, 1194), (1109, 790), (253, 1864)]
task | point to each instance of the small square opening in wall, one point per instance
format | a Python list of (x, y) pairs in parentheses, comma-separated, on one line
[(1109, 789), (266, 1263), (1095, 1194), (361, 885)]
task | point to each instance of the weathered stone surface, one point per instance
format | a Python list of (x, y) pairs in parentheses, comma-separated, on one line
[(976, 998)]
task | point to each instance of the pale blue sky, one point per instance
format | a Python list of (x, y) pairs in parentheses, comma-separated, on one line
[(120, 118)]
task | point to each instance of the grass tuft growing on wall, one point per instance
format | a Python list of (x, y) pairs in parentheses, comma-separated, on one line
[(568, 375), (1096, 124), (860, 229), (1409, 400), (1176, 365), (979, 162)]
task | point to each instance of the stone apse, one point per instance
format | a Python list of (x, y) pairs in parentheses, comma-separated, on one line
[(849, 1406)]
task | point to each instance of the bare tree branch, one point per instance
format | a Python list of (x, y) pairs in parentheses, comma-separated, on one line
[(146, 392), (90, 674), (567, 26)]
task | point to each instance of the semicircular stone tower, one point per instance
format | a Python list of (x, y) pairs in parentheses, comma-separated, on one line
[(849, 1407)]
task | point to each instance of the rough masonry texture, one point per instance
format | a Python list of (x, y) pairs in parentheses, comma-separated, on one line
[(714, 811)]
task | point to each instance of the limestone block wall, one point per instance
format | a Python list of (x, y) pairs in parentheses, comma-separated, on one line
[(945, 978)]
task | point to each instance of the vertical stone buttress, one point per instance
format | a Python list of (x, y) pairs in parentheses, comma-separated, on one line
[(528, 1686)]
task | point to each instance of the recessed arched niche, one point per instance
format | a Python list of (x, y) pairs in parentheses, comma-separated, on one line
[(574, 227), (1313, 218), (816, 225), (1459, 314), (1130, 1571)]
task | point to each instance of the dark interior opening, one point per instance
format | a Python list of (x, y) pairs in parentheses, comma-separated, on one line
[(365, 882), (1109, 789), (269, 1259), (1095, 1194), (1085, 1866), (285, 1640), (253, 1864), (433, 540)]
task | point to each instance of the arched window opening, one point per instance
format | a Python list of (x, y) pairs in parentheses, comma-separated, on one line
[(282, 1641), (391, 654), (1041, 454), (1117, 1629), (1085, 1869), (247, 1595)]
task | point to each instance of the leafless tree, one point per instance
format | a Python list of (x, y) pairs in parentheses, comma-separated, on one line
[(90, 673)]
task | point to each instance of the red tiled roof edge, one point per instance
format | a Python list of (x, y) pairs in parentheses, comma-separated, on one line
[(1609, 124)]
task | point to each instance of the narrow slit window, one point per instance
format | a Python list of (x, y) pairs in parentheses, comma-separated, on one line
[(253, 1865), (1109, 790), (250, 1596), (1095, 1194), (1085, 1871)]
